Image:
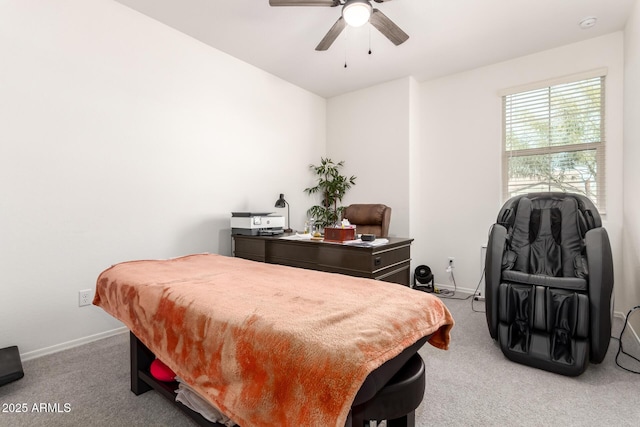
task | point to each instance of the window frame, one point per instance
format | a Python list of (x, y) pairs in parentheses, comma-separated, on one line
[(599, 147)]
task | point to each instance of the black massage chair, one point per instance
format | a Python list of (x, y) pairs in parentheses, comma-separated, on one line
[(549, 280)]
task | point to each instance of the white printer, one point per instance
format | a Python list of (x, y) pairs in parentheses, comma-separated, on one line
[(256, 224)]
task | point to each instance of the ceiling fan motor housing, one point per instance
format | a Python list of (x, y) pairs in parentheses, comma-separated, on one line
[(356, 12)]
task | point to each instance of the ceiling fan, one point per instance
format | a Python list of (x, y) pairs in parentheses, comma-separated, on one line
[(354, 13)]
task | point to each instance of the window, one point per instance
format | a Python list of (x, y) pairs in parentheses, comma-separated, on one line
[(554, 140)]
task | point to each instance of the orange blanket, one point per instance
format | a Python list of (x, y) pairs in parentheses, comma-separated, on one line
[(269, 345)]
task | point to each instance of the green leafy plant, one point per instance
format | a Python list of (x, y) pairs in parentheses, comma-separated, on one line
[(331, 186)]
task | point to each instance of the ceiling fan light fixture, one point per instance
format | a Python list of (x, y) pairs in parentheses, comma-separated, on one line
[(357, 12)]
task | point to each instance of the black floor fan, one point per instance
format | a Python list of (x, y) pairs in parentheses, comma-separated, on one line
[(423, 279)]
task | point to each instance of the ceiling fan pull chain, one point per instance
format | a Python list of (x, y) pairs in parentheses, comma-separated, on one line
[(369, 39), (345, 48)]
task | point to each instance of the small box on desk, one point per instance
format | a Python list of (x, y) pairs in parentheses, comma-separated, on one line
[(339, 234)]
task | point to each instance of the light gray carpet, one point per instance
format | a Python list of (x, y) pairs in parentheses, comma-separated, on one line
[(472, 384)]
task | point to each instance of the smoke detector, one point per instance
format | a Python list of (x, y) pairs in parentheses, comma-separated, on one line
[(588, 22)]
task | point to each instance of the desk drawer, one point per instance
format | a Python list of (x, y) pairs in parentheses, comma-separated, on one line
[(343, 259), (253, 249), (397, 274), (360, 261), (385, 258), (294, 254)]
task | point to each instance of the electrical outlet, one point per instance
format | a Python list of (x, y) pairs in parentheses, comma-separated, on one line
[(449, 268), (84, 297)]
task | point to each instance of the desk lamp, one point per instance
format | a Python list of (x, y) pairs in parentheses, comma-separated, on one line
[(281, 203)]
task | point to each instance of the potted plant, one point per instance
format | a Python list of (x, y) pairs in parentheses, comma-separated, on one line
[(331, 186)]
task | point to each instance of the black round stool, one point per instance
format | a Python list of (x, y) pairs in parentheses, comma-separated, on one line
[(397, 401)]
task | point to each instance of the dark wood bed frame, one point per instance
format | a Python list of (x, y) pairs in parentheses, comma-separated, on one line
[(142, 381)]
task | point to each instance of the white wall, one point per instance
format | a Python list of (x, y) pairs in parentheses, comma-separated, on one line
[(631, 225), (461, 143), (121, 139), (445, 175), (443, 165), (369, 130)]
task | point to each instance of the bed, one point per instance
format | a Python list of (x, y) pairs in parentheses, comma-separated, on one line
[(267, 344)]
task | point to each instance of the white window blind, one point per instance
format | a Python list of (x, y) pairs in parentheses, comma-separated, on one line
[(554, 140)]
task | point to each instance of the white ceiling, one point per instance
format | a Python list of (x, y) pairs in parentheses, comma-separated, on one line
[(446, 36)]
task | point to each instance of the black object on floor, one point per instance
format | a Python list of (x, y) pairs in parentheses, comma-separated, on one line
[(423, 279), (10, 365)]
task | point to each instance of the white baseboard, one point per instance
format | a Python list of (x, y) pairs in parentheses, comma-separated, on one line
[(618, 314), (73, 343), (629, 327), (450, 287), (635, 334)]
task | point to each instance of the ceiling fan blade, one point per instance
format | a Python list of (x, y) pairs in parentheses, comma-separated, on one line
[(388, 28), (332, 35), (328, 3), (381, 1)]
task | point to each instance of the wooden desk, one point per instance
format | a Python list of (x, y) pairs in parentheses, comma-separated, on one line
[(389, 262)]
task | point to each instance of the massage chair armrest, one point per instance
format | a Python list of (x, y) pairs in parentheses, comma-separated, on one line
[(492, 275), (600, 261), (567, 283)]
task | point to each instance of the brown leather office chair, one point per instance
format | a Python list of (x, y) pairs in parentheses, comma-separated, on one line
[(369, 218)]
